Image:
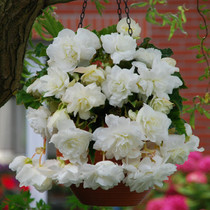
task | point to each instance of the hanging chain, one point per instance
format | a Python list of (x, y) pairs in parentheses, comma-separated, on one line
[(82, 15), (128, 20), (119, 10)]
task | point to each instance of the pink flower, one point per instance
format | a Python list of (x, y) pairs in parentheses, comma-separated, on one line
[(204, 164), (155, 204), (196, 177), (175, 202), (192, 163)]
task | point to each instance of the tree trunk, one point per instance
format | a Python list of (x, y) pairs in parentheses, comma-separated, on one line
[(16, 20)]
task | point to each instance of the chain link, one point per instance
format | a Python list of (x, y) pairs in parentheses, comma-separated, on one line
[(82, 15), (128, 20), (119, 10)]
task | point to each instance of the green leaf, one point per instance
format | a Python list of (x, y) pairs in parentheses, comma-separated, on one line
[(28, 100), (192, 119), (92, 151), (40, 50), (141, 4)]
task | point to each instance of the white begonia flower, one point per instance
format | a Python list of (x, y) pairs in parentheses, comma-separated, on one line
[(148, 174), (60, 120), (68, 175), (119, 84), (38, 120), (73, 144), (104, 174), (161, 105), (81, 99), (17, 163), (192, 140), (158, 79), (122, 27), (178, 147), (132, 115), (91, 74), (36, 88), (175, 149), (170, 61), (55, 82), (153, 124), (30, 173), (121, 47), (69, 49), (122, 138), (147, 56), (88, 42)]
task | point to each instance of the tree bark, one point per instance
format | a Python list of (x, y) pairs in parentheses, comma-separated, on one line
[(16, 20)]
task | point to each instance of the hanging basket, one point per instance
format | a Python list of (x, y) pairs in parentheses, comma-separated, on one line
[(117, 196)]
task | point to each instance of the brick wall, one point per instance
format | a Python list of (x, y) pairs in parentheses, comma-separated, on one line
[(186, 61)]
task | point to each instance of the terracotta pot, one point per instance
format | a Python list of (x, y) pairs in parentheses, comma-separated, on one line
[(117, 196)]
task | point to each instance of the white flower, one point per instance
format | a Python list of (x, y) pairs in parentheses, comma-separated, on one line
[(55, 82), (38, 120), (81, 99), (122, 138), (91, 74), (178, 147), (32, 174), (154, 124), (60, 120), (104, 174), (69, 175), (161, 105), (122, 27), (119, 84), (170, 61), (148, 174), (192, 140), (121, 47), (147, 55), (69, 49), (88, 43), (36, 88), (73, 144), (159, 78), (17, 163)]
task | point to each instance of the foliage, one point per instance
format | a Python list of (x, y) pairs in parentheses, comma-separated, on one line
[(175, 21), (201, 102), (22, 201), (99, 5)]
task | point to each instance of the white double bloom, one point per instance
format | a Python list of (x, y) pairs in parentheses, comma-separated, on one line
[(148, 173), (153, 124), (178, 147), (38, 120), (119, 84), (81, 99), (122, 27), (104, 174), (69, 49), (121, 139), (30, 173), (73, 144), (55, 82), (159, 80), (121, 47)]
